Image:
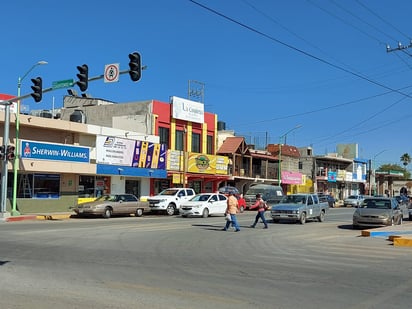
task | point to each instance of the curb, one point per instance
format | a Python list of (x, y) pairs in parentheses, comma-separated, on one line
[(400, 235), (63, 216)]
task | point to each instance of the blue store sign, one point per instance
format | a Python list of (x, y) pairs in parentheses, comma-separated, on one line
[(55, 152)]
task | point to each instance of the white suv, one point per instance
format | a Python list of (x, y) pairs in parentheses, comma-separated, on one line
[(169, 200)]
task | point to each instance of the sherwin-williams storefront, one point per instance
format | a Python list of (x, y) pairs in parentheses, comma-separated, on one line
[(48, 176)]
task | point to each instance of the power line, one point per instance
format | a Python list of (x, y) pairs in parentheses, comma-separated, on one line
[(383, 20)]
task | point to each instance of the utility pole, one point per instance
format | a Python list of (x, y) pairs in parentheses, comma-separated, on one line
[(399, 47)]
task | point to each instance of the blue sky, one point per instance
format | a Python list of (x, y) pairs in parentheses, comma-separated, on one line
[(267, 66)]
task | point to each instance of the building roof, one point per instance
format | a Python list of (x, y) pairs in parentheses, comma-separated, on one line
[(286, 150), (264, 156), (233, 144)]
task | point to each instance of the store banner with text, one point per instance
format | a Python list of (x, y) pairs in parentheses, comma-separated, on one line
[(120, 151)]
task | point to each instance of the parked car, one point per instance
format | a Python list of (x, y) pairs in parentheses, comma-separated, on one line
[(353, 200), (109, 205), (402, 199), (327, 198), (204, 204), (377, 211), (229, 189)]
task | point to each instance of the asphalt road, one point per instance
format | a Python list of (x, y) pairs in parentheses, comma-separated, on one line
[(173, 262)]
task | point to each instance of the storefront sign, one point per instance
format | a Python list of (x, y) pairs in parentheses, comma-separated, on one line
[(292, 178), (187, 110), (56, 152), (126, 152), (207, 164), (332, 176)]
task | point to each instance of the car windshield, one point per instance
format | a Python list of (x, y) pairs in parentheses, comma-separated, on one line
[(168, 192), (378, 204), (107, 197), (201, 198), (294, 199)]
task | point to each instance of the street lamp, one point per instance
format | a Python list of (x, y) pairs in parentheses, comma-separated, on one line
[(373, 172), (280, 151), (14, 211)]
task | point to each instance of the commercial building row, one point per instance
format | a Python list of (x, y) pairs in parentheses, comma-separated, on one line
[(92, 146)]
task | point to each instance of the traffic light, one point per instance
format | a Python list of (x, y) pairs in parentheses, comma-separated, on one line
[(83, 76), (10, 152), (135, 66), (37, 89), (2, 152)]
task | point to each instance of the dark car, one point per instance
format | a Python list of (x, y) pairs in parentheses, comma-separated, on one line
[(327, 198), (402, 199), (229, 189)]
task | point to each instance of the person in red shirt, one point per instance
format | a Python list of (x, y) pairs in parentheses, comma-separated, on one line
[(261, 208)]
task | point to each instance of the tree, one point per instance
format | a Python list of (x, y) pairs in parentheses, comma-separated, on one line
[(406, 159), (395, 167)]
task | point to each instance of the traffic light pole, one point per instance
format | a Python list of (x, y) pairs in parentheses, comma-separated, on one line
[(4, 161), (4, 169)]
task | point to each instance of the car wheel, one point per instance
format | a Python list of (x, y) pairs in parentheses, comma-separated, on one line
[(275, 220), (139, 212), (107, 213), (184, 216), (205, 213), (170, 210), (303, 218), (321, 217)]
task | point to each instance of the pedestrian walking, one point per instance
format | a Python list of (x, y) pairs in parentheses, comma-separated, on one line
[(261, 208), (232, 209)]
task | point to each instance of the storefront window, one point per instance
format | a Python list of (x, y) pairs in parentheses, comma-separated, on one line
[(46, 185)]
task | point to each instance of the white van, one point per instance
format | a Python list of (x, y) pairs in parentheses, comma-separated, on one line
[(270, 193)]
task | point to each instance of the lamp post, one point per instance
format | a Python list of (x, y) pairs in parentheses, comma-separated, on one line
[(373, 170), (280, 151), (14, 211)]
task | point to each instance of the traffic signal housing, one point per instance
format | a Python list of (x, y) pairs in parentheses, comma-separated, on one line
[(10, 152), (135, 66), (37, 89), (83, 76), (2, 152)]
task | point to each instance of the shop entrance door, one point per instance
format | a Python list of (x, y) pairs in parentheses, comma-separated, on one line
[(133, 187)]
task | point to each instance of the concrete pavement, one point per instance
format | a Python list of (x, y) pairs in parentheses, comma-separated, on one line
[(400, 235)]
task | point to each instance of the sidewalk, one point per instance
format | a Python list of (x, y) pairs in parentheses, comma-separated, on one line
[(43, 216)]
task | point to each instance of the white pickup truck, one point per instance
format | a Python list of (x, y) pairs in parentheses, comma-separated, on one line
[(169, 200)]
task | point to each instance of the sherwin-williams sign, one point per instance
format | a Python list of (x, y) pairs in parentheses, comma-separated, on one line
[(55, 152)]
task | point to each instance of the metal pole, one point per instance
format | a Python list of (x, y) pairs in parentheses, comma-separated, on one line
[(280, 161), (14, 211), (280, 150), (4, 161)]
